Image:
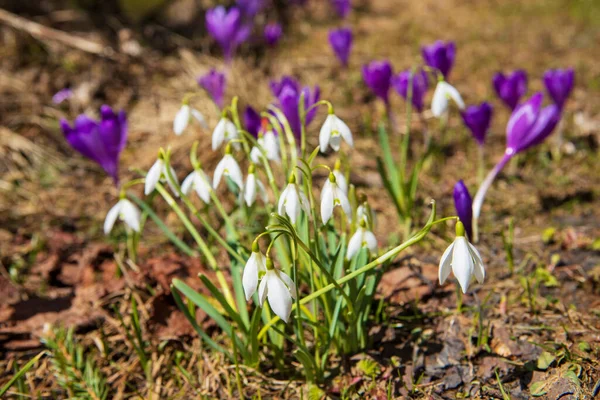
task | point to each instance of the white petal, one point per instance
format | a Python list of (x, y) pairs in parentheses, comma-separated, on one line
[(255, 155), (462, 263), (335, 141), (344, 203), (250, 190), (230, 130), (289, 282), (282, 200), (325, 133), (199, 117), (279, 296), (340, 179), (250, 276), (188, 183), (174, 182), (131, 215), (218, 135), (454, 95), (233, 170), (445, 264), (262, 191), (202, 185), (111, 217), (182, 118), (292, 204), (478, 269), (371, 241), (263, 289), (344, 131), (355, 243), (153, 176), (304, 203), (439, 103), (271, 145), (221, 166), (326, 202)]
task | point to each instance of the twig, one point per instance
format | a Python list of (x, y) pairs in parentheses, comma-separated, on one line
[(43, 33)]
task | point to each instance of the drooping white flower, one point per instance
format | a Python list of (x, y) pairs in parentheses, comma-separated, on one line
[(463, 259), (332, 132), (331, 196), (228, 167), (256, 264), (127, 212), (252, 187), (365, 213), (155, 173), (198, 181), (225, 131), (361, 238), (279, 288), (270, 144), (292, 200), (443, 93), (184, 117), (340, 178)]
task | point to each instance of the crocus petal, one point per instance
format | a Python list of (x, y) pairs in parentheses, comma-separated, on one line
[(153, 176), (326, 202), (279, 297), (355, 243), (111, 217), (182, 119), (462, 263), (445, 264), (131, 215)]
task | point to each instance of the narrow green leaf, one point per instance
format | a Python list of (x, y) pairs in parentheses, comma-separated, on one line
[(21, 372), (217, 295)]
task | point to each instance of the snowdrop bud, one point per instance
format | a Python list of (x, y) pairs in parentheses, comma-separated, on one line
[(443, 93), (252, 186)]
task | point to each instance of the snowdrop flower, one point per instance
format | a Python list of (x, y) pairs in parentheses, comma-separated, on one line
[(444, 92), (198, 181), (256, 265), (464, 260), (184, 116), (365, 213), (293, 200), (158, 171), (361, 238), (331, 196), (224, 132), (126, 212), (270, 144), (228, 167), (252, 186), (340, 178), (332, 132), (279, 288)]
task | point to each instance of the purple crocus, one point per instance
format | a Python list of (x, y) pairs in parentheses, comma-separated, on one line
[(249, 8), (272, 33), (478, 118), (529, 125), (510, 88), (341, 43), (62, 95), (101, 141), (227, 28), (378, 75), (559, 84), (464, 206), (342, 7), (440, 55), (214, 83), (288, 93), (252, 121), (420, 84)]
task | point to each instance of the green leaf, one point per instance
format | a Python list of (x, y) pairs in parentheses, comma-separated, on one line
[(388, 158), (544, 360), (307, 363), (218, 296), (21, 372), (538, 389)]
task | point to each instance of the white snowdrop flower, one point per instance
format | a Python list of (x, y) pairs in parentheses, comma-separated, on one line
[(256, 264), (253, 187), (361, 238), (340, 178), (225, 131), (464, 260), (157, 171), (197, 180), (292, 200), (331, 196), (365, 213), (332, 132), (127, 212), (279, 288), (228, 167), (184, 117), (444, 92), (270, 144)]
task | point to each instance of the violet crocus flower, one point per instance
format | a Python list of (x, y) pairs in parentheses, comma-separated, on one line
[(529, 125), (214, 83), (478, 118), (227, 28), (464, 206), (62, 95), (100, 141), (249, 8), (342, 7), (288, 93), (510, 88), (252, 121), (559, 84), (440, 55), (341, 43), (272, 33), (378, 75), (420, 84)]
